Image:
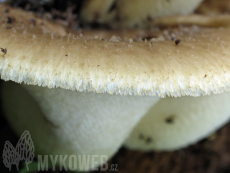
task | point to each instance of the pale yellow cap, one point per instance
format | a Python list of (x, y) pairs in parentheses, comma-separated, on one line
[(122, 63)]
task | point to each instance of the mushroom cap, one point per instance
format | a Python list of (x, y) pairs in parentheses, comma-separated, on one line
[(175, 61), (22, 21), (122, 63)]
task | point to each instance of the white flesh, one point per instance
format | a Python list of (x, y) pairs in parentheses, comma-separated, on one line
[(129, 13), (178, 122), (73, 123)]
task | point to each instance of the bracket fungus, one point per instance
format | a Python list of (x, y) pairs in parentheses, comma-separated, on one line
[(83, 94)]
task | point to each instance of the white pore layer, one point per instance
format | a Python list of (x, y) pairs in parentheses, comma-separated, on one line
[(64, 122), (178, 122)]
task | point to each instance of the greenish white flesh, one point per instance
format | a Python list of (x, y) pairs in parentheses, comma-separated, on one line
[(174, 123), (63, 122)]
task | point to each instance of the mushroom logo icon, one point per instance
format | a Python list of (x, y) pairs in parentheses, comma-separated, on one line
[(24, 151)]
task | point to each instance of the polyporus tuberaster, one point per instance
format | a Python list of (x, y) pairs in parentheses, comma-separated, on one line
[(104, 82)]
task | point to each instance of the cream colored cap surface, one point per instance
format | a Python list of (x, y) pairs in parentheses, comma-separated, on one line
[(121, 64)]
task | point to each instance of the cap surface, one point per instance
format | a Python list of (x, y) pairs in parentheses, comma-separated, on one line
[(121, 63)]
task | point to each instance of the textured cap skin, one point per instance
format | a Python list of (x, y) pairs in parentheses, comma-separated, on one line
[(17, 19), (198, 65)]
